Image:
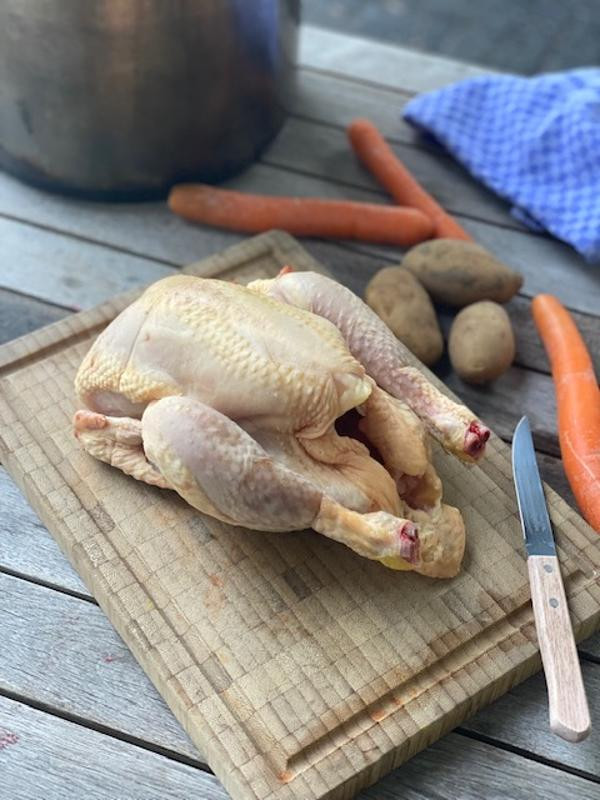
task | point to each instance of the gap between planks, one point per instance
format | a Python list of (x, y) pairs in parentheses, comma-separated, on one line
[(107, 730), (119, 248), (202, 767), (170, 240), (378, 195), (519, 751), (445, 764), (329, 250), (124, 728), (46, 584)]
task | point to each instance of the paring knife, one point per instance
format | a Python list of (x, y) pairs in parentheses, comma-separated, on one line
[(569, 714)]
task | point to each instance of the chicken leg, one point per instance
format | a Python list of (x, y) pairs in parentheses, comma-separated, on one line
[(384, 357), (399, 436), (219, 469)]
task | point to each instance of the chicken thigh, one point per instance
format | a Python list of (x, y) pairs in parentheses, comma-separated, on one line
[(231, 396)]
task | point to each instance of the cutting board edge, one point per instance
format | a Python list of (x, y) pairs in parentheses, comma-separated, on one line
[(446, 723)]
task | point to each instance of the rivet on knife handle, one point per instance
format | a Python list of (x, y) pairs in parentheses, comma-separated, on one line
[(569, 714)]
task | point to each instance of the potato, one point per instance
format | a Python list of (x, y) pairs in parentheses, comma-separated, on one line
[(481, 343), (404, 305), (459, 273)]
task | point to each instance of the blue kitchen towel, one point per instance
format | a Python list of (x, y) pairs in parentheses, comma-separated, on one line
[(535, 141)]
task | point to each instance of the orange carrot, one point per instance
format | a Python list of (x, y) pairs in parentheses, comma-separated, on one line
[(302, 216), (379, 158), (577, 400)]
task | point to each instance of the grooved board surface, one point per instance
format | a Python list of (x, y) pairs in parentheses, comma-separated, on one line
[(300, 669)]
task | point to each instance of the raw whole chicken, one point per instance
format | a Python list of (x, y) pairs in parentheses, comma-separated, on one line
[(231, 395)]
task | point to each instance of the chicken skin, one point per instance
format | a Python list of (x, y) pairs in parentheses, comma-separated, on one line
[(234, 397)]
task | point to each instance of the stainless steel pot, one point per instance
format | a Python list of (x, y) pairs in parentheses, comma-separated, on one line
[(123, 98)]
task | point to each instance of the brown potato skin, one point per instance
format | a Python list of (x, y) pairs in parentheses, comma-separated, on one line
[(481, 345), (459, 273), (398, 298)]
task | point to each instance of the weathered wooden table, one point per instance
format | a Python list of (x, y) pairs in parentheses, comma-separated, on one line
[(78, 717)]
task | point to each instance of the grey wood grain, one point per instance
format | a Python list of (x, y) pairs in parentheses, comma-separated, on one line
[(150, 230), (546, 264), (322, 150), (520, 719), (355, 268), (44, 756), (460, 768), (591, 647), (530, 350), (334, 100), (26, 546), (145, 229), (367, 60), (20, 314), (70, 272), (62, 652)]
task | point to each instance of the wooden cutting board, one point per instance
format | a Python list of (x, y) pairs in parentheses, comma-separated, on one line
[(300, 669)]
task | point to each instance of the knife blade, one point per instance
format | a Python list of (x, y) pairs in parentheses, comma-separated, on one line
[(569, 714), (535, 522)]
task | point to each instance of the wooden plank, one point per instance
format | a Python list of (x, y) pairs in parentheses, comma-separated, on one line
[(149, 229), (195, 642), (381, 64), (547, 265), (45, 756), (333, 100), (53, 643), (70, 272), (324, 151), (20, 314), (26, 546), (145, 229), (530, 350), (456, 767), (491, 402), (355, 268), (62, 282), (519, 719), (62, 652)]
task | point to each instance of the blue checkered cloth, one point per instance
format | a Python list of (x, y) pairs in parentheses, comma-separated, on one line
[(534, 141)]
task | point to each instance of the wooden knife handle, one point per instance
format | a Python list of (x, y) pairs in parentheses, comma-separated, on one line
[(569, 714)]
